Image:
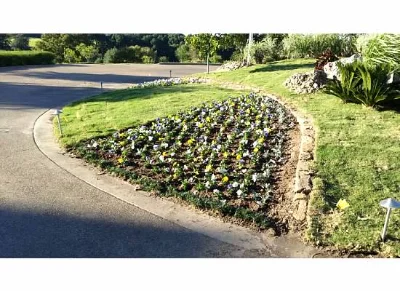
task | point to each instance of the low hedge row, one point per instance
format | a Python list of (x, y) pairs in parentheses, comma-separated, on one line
[(22, 58)]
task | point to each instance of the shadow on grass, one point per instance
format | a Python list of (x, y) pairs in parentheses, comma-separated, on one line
[(333, 192), (278, 66)]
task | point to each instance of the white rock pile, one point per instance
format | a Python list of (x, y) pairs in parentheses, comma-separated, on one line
[(171, 82), (230, 66), (305, 83)]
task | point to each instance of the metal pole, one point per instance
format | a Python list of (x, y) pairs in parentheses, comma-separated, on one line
[(170, 73), (383, 235), (59, 124), (101, 86)]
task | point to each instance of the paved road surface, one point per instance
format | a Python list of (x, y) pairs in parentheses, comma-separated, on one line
[(45, 211)]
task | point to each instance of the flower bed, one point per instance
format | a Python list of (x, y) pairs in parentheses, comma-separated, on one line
[(171, 82), (221, 156)]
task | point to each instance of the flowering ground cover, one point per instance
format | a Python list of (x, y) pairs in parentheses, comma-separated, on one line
[(220, 156)]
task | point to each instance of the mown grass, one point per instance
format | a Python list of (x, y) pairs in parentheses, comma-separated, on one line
[(357, 159), (111, 111)]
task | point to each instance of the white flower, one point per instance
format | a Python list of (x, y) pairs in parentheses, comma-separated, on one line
[(207, 184), (213, 177), (255, 144), (150, 138), (254, 177), (235, 184), (172, 154), (161, 158), (185, 167), (164, 145), (133, 145), (244, 171), (215, 191), (239, 192)]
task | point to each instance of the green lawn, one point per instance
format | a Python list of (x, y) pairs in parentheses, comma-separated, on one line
[(358, 159), (108, 112)]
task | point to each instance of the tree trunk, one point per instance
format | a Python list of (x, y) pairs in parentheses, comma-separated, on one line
[(208, 63)]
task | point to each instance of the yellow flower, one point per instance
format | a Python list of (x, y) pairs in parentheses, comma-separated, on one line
[(255, 150), (225, 154), (260, 140), (164, 154), (342, 204), (123, 143), (190, 141), (238, 157), (225, 179), (208, 119), (208, 168), (120, 160)]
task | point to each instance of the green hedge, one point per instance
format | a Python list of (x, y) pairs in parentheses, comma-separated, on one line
[(22, 58)]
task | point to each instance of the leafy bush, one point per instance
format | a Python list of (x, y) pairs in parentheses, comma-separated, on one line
[(313, 45), (379, 48), (70, 56), (99, 60), (110, 56), (163, 59), (21, 58), (88, 52), (19, 42), (185, 53), (147, 60), (266, 50), (364, 83), (237, 56)]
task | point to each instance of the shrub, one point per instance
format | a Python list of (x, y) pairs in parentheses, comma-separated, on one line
[(19, 42), (379, 48), (88, 52), (237, 56), (99, 60), (364, 83), (70, 56), (313, 45), (163, 59), (147, 60), (185, 53), (266, 50), (21, 58), (110, 56)]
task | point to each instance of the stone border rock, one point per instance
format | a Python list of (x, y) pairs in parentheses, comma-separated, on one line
[(302, 185)]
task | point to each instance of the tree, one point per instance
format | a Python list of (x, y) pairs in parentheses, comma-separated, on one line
[(4, 42), (206, 44), (19, 42), (88, 52)]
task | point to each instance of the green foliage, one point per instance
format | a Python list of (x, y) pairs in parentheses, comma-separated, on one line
[(380, 48), (4, 42), (71, 56), (185, 53), (364, 83), (19, 42), (206, 44), (21, 58), (163, 59), (266, 50), (313, 45), (88, 52), (110, 56), (132, 54)]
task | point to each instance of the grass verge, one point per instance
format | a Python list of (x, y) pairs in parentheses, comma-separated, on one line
[(357, 159)]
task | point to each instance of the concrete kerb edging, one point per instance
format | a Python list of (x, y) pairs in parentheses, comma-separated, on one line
[(303, 177)]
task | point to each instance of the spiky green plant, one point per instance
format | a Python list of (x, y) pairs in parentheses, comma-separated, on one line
[(379, 48), (364, 83)]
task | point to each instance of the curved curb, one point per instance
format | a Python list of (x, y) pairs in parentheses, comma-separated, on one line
[(302, 181), (193, 219)]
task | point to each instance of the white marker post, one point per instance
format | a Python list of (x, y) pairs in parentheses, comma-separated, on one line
[(389, 204), (57, 113)]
